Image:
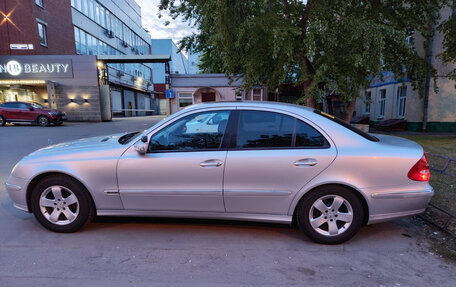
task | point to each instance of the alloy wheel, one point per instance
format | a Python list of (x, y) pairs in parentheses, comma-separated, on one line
[(331, 215), (59, 205), (43, 121)]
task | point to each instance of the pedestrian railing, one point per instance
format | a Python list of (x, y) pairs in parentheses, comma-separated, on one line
[(435, 214)]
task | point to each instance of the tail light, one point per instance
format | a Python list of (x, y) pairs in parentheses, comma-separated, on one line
[(420, 171)]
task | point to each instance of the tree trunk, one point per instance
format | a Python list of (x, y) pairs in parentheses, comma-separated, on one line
[(307, 72), (349, 110)]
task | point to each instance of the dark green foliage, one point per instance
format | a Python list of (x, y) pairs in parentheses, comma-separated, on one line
[(341, 43)]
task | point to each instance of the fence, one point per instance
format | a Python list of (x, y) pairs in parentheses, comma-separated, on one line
[(435, 214)]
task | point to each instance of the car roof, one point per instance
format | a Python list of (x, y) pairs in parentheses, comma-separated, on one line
[(265, 104)]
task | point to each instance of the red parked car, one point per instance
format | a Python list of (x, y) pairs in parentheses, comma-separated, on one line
[(30, 112)]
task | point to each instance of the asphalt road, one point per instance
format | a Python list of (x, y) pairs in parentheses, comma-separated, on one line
[(176, 252)]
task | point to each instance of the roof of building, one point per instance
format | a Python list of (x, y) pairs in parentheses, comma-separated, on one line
[(205, 80), (134, 58)]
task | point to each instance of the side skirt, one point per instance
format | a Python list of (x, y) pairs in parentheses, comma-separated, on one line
[(282, 219)]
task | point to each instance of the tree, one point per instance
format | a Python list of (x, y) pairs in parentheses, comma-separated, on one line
[(336, 44)]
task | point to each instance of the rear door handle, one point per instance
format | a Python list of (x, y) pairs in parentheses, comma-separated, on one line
[(305, 162), (211, 163)]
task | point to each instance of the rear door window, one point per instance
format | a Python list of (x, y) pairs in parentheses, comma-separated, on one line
[(22, 106), (258, 129), (262, 129)]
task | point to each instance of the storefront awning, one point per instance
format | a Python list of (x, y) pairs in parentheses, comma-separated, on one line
[(134, 58)]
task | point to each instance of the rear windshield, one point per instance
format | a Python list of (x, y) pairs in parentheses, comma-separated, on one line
[(347, 126)]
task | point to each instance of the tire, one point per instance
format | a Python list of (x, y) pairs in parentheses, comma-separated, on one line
[(43, 121), (2, 121), (327, 225), (61, 204)]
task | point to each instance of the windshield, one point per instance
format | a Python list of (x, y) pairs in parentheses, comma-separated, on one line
[(128, 137), (37, 106), (347, 125)]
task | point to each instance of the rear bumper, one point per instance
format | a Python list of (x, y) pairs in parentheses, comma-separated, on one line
[(385, 205)]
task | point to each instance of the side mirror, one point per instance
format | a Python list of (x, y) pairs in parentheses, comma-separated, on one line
[(141, 146), (31, 108)]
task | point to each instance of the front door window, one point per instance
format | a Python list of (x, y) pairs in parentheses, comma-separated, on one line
[(201, 131)]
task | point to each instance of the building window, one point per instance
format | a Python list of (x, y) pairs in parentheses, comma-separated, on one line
[(239, 95), (401, 97), (91, 9), (78, 5), (42, 34), (103, 17), (367, 103), (381, 104), (77, 39), (39, 3), (185, 99), (257, 94), (97, 13)]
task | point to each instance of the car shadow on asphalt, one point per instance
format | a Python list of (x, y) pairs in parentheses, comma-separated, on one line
[(209, 225), (388, 231)]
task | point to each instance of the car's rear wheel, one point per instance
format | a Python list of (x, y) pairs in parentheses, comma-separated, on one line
[(61, 204), (2, 121), (43, 121), (330, 214)]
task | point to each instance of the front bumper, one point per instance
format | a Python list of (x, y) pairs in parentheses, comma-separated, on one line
[(59, 117), (17, 190), (385, 205)]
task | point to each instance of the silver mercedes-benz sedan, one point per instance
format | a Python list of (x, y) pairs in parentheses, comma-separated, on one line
[(257, 161)]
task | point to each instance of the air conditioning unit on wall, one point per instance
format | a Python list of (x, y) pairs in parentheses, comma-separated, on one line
[(109, 33)]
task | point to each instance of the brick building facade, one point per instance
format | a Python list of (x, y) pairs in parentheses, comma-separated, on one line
[(22, 20)]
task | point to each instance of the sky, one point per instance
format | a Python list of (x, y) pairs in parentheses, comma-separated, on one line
[(176, 30)]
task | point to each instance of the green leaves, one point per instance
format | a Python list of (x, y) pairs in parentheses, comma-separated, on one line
[(341, 43)]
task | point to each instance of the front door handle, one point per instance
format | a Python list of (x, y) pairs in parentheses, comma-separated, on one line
[(211, 163), (305, 162)]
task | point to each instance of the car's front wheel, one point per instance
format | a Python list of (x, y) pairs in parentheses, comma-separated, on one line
[(330, 214), (61, 204), (2, 121), (43, 121)]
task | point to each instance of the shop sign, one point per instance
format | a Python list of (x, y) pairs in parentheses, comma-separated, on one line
[(28, 68)]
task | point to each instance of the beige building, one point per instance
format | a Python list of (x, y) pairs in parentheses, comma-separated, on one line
[(188, 89), (389, 99)]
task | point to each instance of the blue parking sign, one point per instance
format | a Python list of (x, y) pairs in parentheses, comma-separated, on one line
[(169, 94)]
